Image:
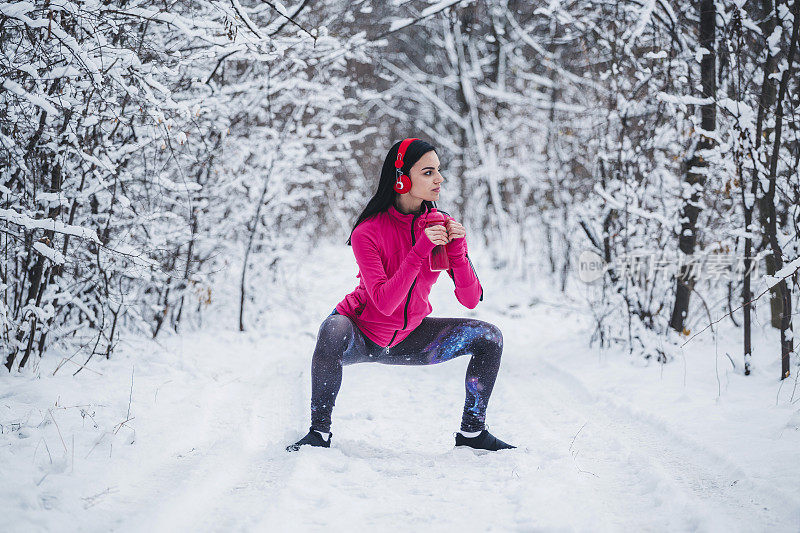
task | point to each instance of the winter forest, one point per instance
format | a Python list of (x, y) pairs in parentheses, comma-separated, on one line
[(177, 185)]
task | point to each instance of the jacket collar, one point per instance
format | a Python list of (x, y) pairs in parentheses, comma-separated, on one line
[(407, 219)]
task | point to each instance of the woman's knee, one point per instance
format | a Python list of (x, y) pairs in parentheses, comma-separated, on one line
[(492, 335), (335, 329)]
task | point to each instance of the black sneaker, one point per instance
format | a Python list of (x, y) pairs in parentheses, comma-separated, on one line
[(482, 441), (312, 438)]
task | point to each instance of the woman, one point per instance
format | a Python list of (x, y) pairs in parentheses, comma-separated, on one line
[(385, 319)]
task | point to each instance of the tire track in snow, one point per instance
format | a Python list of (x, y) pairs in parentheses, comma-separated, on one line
[(180, 491), (225, 458), (715, 493), (598, 482)]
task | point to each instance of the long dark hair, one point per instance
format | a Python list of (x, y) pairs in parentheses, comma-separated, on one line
[(386, 194)]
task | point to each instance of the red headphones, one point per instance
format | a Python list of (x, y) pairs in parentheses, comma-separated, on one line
[(403, 183)]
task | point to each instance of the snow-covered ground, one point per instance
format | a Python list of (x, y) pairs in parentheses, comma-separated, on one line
[(606, 442)]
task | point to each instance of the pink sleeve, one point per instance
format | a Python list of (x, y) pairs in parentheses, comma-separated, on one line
[(468, 288), (387, 293)]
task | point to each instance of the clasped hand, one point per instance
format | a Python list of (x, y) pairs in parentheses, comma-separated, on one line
[(440, 234)]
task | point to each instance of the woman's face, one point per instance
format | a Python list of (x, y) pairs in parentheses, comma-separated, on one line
[(425, 178)]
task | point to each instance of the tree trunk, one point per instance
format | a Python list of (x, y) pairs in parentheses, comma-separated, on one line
[(695, 177), (766, 101), (784, 290), (253, 231)]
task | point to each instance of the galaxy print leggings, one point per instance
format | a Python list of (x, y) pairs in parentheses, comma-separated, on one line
[(340, 342)]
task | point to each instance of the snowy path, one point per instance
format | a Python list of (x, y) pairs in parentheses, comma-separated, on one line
[(393, 464), (604, 445)]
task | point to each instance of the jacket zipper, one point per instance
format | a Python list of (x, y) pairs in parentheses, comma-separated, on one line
[(408, 297)]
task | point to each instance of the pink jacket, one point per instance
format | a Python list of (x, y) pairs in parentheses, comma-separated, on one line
[(392, 252)]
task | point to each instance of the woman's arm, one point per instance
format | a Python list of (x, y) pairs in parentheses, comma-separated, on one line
[(468, 288), (387, 293)]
